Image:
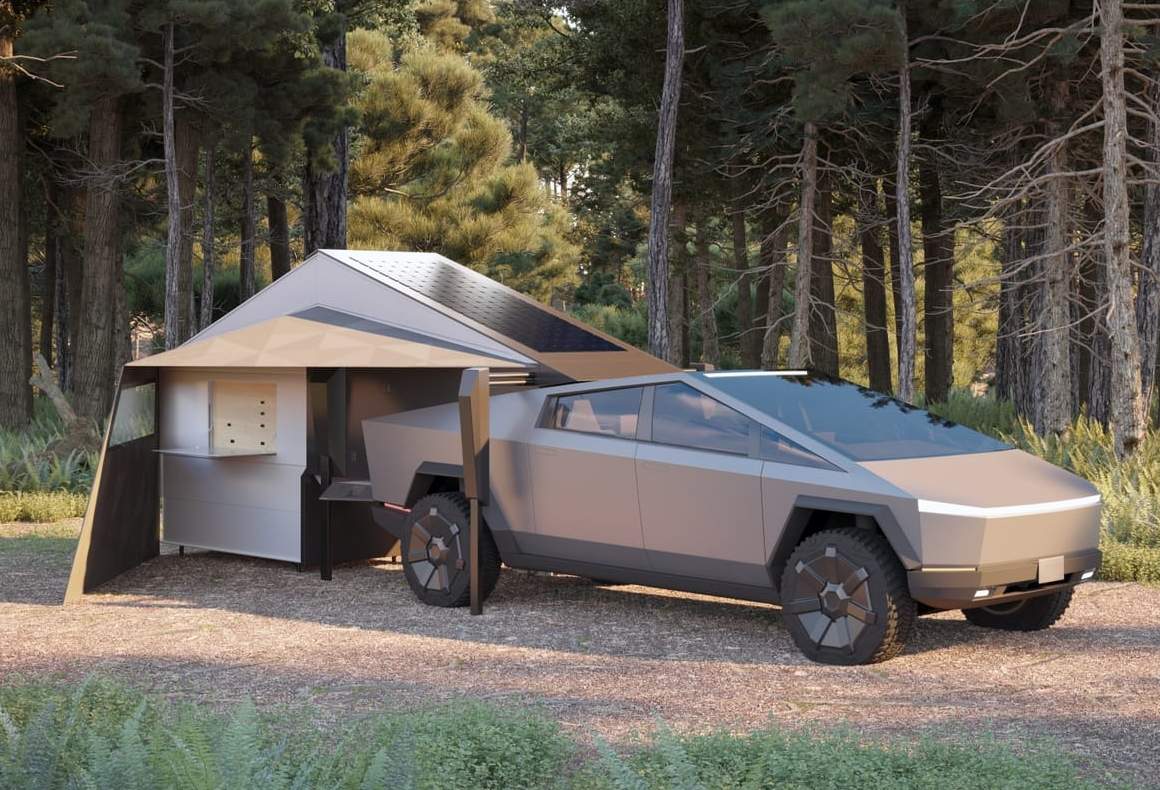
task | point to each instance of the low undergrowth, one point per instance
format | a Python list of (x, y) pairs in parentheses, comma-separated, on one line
[(105, 735), (41, 506), (1130, 488)]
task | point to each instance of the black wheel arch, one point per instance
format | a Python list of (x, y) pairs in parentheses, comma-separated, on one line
[(434, 478), (811, 514)]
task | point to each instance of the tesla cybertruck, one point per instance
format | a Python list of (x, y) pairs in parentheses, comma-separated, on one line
[(852, 510)]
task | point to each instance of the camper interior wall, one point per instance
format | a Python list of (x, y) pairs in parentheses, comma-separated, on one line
[(244, 504)]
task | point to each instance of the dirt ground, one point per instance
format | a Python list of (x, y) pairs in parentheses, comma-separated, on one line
[(607, 660)]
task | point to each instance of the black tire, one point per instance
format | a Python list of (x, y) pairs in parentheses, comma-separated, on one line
[(436, 552), (1027, 614), (844, 598)]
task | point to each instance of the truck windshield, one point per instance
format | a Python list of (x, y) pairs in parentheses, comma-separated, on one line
[(858, 422)]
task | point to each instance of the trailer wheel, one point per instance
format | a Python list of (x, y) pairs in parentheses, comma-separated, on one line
[(1027, 614), (436, 552), (844, 598)]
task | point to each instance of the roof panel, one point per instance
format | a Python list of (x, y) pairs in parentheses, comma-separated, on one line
[(487, 302)]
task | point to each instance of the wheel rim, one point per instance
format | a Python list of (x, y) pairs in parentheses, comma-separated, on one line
[(832, 599), (435, 552)]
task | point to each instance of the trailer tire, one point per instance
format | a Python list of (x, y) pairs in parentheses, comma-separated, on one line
[(435, 551)]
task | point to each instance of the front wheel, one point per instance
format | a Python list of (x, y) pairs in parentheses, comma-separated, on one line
[(844, 598), (436, 554), (1027, 614)]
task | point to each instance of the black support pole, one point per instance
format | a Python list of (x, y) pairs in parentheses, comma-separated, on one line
[(474, 429)]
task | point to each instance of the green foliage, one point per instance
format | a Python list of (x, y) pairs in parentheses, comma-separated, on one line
[(41, 506), (105, 735), (431, 170), (629, 324), (773, 758), (1130, 488), (42, 458)]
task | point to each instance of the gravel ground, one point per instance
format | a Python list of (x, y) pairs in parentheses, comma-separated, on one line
[(607, 660)]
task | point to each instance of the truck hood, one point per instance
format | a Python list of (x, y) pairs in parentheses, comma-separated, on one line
[(1004, 482)]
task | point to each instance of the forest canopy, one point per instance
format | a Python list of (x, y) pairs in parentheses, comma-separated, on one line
[(918, 195)]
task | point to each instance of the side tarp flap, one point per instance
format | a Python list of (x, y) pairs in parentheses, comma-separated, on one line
[(121, 528)]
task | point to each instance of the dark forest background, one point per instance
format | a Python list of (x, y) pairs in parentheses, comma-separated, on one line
[(920, 195)]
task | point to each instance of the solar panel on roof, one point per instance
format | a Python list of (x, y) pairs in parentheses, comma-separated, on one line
[(490, 304)]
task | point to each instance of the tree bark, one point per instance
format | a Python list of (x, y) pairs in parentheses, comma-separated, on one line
[(799, 342), (773, 239), (659, 343), (1054, 414), (710, 345), (48, 286), (325, 191), (677, 301), (1126, 414), (279, 236), (175, 300), (938, 255), (1083, 333), (208, 242), (1009, 335), (15, 301), (1148, 292), (906, 348), (92, 382), (823, 314), (748, 339), (874, 295), (246, 278), (187, 144), (890, 196), (71, 277)]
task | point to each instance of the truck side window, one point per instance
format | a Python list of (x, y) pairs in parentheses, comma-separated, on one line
[(684, 417), (775, 447), (607, 412)]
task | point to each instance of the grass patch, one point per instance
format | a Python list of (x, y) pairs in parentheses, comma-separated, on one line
[(1130, 488), (105, 735), (41, 506)]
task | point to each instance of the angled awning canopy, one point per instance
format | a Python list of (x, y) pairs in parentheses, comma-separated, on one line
[(321, 337)]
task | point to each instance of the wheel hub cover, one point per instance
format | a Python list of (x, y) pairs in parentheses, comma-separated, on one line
[(434, 551), (831, 599)]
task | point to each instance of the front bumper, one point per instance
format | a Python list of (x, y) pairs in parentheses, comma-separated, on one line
[(955, 588)]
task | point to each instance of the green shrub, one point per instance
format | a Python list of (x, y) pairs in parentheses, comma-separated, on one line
[(105, 735), (41, 506), (40, 458)]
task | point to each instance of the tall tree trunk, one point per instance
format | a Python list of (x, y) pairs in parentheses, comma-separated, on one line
[(1083, 323), (1029, 398), (95, 339), (279, 236), (907, 348), (799, 339), (122, 327), (823, 315), (749, 348), (175, 300), (1009, 335), (874, 293), (676, 297), (187, 144), (773, 263), (659, 343), (15, 302), (938, 255), (208, 242), (1127, 406), (247, 279), (49, 282), (1148, 292), (325, 190), (890, 196), (710, 345), (1054, 414), (70, 305)]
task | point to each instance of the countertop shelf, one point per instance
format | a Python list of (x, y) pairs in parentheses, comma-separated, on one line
[(200, 453)]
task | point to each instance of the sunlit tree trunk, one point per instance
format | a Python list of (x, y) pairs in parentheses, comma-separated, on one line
[(874, 295), (907, 346), (773, 240), (799, 342)]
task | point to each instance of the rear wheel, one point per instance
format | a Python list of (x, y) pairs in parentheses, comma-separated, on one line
[(1027, 614), (436, 554), (844, 598)]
